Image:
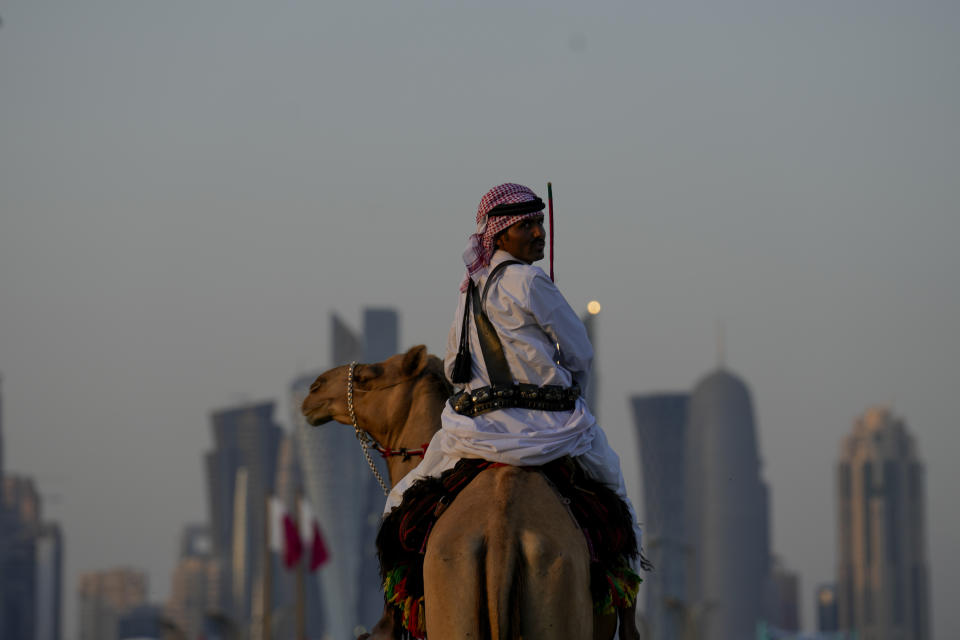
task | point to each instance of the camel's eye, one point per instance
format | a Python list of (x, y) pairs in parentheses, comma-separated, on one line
[(367, 372), (317, 384)]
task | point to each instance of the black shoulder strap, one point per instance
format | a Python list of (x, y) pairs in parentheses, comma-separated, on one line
[(490, 345), (496, 270), (462, 364)]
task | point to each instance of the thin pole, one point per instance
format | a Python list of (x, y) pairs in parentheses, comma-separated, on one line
[(301, 627), (267, 583), (550, 204)]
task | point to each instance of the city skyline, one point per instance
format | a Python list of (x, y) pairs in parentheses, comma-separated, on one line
[(187, 191), (661, 410)]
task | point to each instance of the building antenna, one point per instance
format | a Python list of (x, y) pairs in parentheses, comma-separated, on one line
[(721, 346)]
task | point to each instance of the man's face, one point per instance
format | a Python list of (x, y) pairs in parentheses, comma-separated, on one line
[(524, 240)]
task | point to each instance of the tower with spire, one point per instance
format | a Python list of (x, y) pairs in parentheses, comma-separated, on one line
[(707, 508), (726, 508)]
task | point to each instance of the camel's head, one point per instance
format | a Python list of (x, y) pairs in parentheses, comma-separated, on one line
[(381, 392)]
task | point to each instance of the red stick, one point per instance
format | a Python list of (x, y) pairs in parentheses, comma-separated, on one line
[(550, 204)]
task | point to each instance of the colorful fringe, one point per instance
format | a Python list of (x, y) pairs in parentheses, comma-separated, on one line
[(622, 587), (406, 605)]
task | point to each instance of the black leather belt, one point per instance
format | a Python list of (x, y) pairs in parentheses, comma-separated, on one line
[(549, 397)]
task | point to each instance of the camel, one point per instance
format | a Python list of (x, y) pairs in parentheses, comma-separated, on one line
[(505, 559)]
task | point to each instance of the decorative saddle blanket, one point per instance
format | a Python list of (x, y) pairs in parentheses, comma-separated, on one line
[(602, 516)]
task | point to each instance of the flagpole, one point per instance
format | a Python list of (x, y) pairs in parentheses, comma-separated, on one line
[(550, 204), (267, 571), (301, 627)]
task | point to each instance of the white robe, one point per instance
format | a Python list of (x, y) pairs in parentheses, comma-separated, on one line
[(532, 317)]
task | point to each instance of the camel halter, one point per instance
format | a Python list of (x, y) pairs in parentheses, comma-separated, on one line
[(366, 440)]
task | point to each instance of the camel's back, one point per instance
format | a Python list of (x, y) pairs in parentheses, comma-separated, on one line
[(508, 502), (508, 542)]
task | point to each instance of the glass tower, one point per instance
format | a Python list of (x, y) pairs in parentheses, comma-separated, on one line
[(882, 575)]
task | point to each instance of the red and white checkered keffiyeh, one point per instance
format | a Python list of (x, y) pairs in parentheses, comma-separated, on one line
[(480, 244)]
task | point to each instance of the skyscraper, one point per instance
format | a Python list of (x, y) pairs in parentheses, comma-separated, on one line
[(827, 614), (591, 393), (726, 511), (105, 596), (31, 561), (284, 581), (19, 525), (194, 586), (783, 599), (661, 421), (49, 582), (882, 575), (344, 494), (241, 471), (144, 622), (1, 427)]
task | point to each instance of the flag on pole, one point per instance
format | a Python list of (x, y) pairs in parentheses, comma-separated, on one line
[(310, 531), (284, 535)]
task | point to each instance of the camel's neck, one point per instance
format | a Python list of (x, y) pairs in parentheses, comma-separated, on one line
[(422, 422)]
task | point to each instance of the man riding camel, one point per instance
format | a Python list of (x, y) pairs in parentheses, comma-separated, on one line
[(522, 407)]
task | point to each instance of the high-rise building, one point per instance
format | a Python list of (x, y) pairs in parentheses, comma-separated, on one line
[(284, 581), (49, 582), (1, 428), (882, 574), (661, 421), (340, 487), (827, 612), (104, 596), (241, 471), (31, 561), (21, 497), (726, 511), (145, 622), (194, 587), (783, 598), (591, 393), (706, 519), (19, 526)]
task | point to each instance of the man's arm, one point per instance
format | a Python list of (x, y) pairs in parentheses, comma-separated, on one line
[(563, 325)]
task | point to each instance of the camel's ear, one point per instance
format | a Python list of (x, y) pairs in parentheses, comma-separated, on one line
[(414, 360)]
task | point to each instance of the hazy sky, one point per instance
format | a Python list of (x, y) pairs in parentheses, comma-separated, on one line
[(189, 189)]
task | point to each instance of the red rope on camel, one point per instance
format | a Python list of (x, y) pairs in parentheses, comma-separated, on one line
[(387, 452)]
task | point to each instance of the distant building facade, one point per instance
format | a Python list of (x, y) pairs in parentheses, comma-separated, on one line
[(289, 488), (828, 617), (31, 561), (706, 519), (882, 573), (783, 599), (241, 471), (661, 421), (591, 393), (194, 587), (145, 622), (105, 596), (726, 509), (1, 429), (344, 495), (19, 526), (48, 588)]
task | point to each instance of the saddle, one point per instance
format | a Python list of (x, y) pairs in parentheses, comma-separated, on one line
[(601, 515)]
